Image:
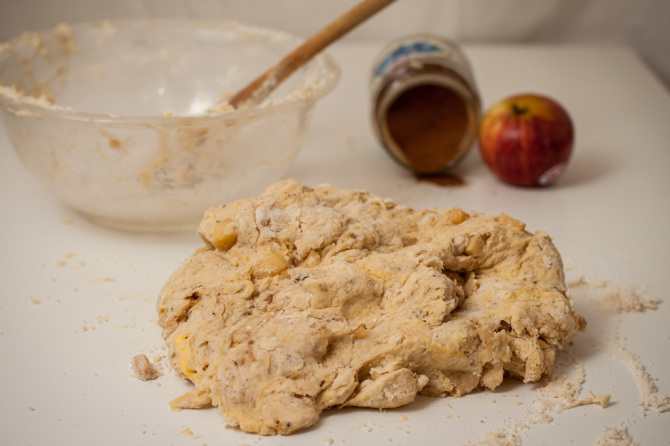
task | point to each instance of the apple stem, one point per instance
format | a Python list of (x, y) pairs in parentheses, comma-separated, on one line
[(518, 110)]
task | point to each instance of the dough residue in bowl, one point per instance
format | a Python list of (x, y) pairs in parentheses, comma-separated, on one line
[(308, 298), (45, 59)]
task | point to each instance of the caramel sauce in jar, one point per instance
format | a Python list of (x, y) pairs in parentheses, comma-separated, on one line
[(425, 104)]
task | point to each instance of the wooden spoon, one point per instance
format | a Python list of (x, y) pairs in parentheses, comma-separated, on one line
[(261, 87)]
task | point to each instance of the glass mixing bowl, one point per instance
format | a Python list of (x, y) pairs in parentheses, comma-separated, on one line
[(123, 120)]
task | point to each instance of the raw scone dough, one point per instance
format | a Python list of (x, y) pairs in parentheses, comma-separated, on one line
[(304, 299)]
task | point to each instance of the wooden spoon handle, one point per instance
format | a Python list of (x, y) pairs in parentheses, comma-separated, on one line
[(261, 87)]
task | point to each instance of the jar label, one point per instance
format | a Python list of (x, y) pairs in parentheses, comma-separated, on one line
[(417, 49), (404, 53)]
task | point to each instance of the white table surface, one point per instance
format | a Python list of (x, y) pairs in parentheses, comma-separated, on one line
[(77, 301)]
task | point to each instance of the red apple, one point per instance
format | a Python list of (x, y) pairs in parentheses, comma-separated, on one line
[(526, 140)]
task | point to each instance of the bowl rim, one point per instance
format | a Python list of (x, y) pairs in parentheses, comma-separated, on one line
[(26, 105)]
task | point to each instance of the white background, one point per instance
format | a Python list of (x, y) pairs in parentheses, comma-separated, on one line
[(641, 24), (77, 301)]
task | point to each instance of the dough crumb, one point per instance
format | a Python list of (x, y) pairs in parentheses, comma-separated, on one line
[(190, 400), (187, 432), (144, 369), (602, 400)]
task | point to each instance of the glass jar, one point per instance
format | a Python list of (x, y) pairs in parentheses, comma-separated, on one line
[(425, 103)]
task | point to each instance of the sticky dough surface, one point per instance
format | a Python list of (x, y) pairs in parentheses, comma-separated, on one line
[(305, 299)]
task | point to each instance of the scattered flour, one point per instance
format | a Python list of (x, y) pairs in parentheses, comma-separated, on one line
[(618, 299), (560, 391), (498, 438), (650, 398), (560, 386), (615, 436)]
